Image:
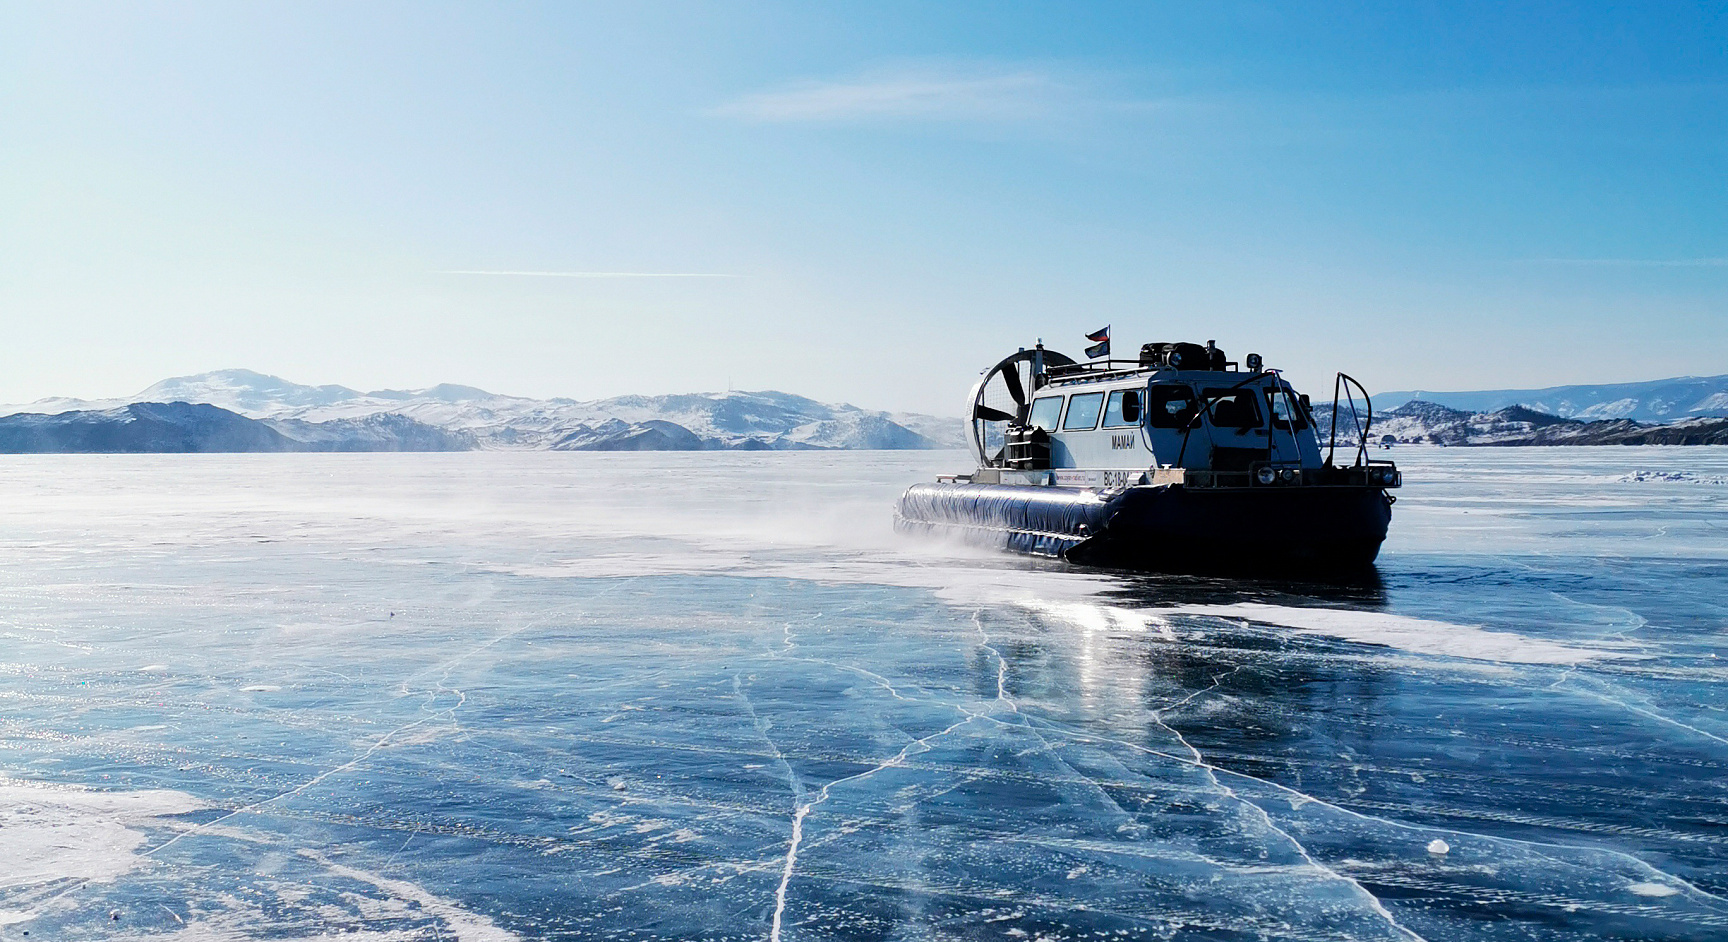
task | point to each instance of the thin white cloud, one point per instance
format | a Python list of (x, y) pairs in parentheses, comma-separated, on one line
[(594, 274), (1637, 262), (933, 95)]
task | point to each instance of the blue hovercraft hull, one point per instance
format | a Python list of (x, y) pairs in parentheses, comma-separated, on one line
[(1168, 527)]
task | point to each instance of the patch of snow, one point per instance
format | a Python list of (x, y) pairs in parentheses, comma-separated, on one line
[(1618, 409), (1713, 403), (1417, 635), (465, 925), (1652, 889), (62, 832)]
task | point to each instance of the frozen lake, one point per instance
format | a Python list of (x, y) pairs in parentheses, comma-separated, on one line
[(497, 696)]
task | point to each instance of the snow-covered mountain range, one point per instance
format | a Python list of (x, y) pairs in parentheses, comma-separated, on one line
[(463, 414), (155, 427), (247, 411), (1423, 422), (1662, 400)]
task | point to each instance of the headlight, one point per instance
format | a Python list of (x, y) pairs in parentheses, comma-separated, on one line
[(1288, 475), (1266, 475)]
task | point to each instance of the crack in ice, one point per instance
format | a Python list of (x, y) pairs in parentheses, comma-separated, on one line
[(1001, 663), (800, 807), (1374, 902), (439, 685), (1050, 749), (1533, 847), (1642, 711), (803, 808)]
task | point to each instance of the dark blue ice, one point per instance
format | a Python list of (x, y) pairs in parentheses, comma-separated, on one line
[(539, 696)]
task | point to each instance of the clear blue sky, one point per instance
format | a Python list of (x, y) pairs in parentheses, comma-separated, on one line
[(1437, 196)]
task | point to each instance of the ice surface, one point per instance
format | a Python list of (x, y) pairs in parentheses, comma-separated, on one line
[(1687, 477), (497, 696)]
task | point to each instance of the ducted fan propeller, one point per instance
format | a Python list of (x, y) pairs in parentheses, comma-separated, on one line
[(999, 398)]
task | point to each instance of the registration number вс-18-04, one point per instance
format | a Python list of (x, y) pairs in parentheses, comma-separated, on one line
[(1114, 479), (1105, 479)]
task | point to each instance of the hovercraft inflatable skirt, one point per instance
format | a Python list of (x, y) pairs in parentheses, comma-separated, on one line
[(1167, 527), (1044, 521)]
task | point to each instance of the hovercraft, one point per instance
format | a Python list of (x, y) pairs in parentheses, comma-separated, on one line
[(1179, 460)]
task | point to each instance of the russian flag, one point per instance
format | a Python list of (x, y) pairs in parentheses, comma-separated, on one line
[(1101, 343)]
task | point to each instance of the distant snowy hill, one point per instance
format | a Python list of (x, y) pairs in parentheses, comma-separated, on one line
[(139, 427), (245, 392), (382, 432), (1420, 422), (175, 427), (731, 420), (1662, 400)]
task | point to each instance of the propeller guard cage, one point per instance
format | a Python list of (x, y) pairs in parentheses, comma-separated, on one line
[(1007, 384)]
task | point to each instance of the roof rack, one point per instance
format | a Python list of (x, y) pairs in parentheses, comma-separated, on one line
[(1093, 367), (1108, 367)]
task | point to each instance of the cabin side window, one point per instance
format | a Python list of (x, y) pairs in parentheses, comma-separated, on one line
[(1123, 409), (1169, 405), (1045, 413), (1280, 405), (1234, 408), (1083, 412)]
